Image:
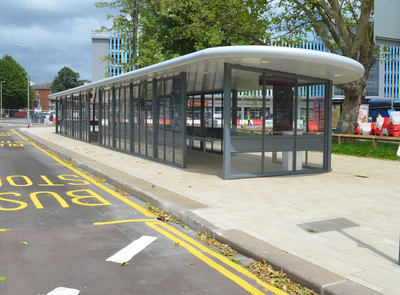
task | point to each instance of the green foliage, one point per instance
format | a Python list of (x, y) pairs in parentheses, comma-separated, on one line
[(165, 29), (126, 24), (222, 22), (16, 87), (384, 151), (65, 79)]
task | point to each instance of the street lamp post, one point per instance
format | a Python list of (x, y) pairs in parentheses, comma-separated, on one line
[(27, 47), (1, 107)]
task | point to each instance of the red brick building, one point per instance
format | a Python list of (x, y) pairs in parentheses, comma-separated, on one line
[(42, 92)]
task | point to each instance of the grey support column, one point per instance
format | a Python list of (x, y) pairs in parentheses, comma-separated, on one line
[(100, 93), (131, 118), (234, 111), (183, 121), (226, 166), (155, 118), (89, 95), (57, 116), (328, 125), (80, 123), (112, 129)]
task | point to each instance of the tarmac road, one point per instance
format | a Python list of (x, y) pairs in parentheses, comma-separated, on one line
[(58, 228)]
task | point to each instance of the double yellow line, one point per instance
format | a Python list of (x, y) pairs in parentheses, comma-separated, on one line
[(177, 237), (191, 245)]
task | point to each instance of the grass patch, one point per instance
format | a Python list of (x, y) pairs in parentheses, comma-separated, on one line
[(384, 151)]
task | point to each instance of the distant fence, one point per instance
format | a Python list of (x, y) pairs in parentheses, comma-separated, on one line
[(374, 138)]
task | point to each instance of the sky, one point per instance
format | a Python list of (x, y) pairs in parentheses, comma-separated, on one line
[(58, 33)]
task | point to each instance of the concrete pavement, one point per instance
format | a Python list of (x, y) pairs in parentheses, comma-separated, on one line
[(354, 209)]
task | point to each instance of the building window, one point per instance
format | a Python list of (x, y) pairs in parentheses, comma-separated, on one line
[(37, 92)]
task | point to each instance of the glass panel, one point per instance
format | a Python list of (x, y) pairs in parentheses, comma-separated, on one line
[(311, 108), (117, 120), (160, 151), (124, 118), (109, 119), (312, 160), (175, 111), (278, 161), (283, 103), (248, 85), (189, 113), (178, 155), (169, 153), (136, 117), (149, 149), (243, 163), (142, 119), (83, 115), (136, 142), (149, 119)]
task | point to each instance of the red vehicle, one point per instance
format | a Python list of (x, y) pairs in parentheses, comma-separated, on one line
[(20, 114)]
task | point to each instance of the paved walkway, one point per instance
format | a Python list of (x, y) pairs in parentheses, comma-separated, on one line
[(355, 209)]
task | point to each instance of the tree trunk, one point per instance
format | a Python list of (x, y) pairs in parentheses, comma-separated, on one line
[(351, 105)]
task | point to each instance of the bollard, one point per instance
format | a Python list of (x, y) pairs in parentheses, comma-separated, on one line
[(30, 125)]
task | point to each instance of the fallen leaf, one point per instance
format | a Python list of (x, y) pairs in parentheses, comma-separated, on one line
[(312, 230), (2, 279), (235, 260), (24, 243), (177, 244), (125, 264), (191, 263), (186, 227)]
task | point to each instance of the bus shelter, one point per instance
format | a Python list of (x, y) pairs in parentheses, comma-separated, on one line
[(264, 110)]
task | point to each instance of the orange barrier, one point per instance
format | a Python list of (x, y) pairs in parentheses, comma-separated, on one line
[(312, 126), (372, 129), (358, 129), (394, 130)]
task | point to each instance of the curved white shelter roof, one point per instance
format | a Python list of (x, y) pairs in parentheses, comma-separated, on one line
[(205, 68)]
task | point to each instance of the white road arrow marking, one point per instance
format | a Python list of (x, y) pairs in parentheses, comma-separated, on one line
[(131, 250), (64, 291)]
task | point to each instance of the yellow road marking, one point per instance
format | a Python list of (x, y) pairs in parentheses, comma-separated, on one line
[(103, 187), (125, 221), (3, 229), (245, 285), (223, 259), (153, 225)]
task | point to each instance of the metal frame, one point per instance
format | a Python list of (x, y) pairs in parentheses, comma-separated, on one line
[(231, 145), (282, 143)]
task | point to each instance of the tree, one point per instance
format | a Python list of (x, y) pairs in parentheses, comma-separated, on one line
[(224, 22), (150, 32), (126, 24), (65, 79), (15, 88), (160, 37), (346, 28)]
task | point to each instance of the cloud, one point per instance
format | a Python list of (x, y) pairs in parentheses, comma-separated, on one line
[(58, 33)]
